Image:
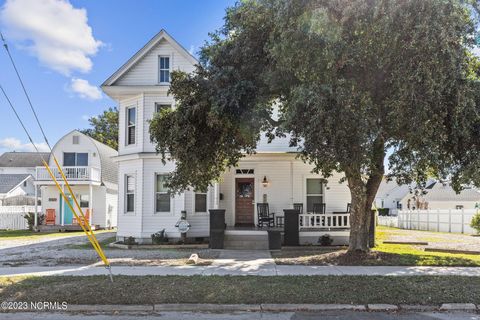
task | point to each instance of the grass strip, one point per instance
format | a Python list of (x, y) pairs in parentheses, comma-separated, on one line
[(423, 290)]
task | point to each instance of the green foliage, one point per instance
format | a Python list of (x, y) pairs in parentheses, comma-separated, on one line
[(104, 128), (352, 79), (129, 241), (475, 223), (325, 240), (30, 217), (159, 237)]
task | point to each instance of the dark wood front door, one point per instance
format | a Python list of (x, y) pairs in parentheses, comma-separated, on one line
[(244, 201)]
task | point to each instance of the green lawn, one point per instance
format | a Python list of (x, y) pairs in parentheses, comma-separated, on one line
[(425, 290), (381, 255), (26, 234)]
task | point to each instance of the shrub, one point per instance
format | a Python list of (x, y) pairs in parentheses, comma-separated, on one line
[(30, 217), (129, 241), (159, 237), (475, 224), (325, 240), (383, 211)]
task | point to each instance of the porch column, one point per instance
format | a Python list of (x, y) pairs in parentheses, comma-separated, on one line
[(216, 196), (90, 202), (36, 205), (62, 213)]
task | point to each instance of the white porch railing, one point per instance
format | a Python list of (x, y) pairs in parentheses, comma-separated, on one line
[(72, 173), (328, 220)]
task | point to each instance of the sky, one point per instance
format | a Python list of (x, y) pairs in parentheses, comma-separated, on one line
[(64, 50)]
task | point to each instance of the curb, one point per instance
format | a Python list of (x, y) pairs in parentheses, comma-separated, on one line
[(266, 307)]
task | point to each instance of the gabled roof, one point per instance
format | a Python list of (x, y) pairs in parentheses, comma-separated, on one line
[(444, 192), (109, 168), (10, 181), (162, 35), (23, 159)]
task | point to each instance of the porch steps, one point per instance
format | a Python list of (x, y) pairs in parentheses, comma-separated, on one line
[(246, 240)]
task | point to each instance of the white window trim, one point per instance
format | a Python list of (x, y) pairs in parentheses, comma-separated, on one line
[(207, 202), (126, 193), (127, 126), (76, 158), (155, 195), (170, 63), (313, 194), (161, 103)]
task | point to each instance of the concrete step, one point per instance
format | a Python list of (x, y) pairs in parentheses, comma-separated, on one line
[(246, 242)]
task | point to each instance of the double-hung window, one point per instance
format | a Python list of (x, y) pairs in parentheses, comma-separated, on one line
[(200, 202), (164, 69), (314, 193), (162, 193), (131, 123), (130, 193)]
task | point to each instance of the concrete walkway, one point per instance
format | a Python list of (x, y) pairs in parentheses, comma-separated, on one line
[(237, 262)]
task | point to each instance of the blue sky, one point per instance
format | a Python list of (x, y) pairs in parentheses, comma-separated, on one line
[(96, 42)]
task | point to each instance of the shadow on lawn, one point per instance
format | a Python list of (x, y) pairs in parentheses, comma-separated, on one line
[(373, 258)]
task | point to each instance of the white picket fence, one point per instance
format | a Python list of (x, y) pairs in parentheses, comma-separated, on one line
[(12, 217), (437, 220)]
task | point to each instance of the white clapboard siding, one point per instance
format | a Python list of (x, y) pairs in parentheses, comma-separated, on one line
[(145, 71), (13, 217), (136, 102), (149, 102)]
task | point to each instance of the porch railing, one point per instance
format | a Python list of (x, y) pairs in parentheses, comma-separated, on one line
[(72, 173), (327, 220)]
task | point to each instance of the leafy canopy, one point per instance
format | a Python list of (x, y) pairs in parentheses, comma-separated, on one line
[(104, 128), (352, 79)]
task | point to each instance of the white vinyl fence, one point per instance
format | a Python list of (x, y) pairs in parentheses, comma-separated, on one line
[(388, 221), (437, 220), (12, 217)]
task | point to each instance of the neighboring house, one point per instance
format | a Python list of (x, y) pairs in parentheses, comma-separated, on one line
[(21, 162), (91, 172), (390, 195), (16, 177), (442, 196), (16, 186), (274, 175)]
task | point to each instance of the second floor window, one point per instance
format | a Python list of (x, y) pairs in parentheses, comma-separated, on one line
[(75, 159), (131, 121), (164, 69)]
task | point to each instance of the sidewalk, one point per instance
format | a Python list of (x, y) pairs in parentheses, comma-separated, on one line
[(237, 263)]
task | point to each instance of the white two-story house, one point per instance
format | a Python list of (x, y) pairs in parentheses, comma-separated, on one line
[(273, 176), (92, 175)]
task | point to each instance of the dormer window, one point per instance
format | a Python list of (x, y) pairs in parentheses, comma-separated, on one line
[(164, 69)]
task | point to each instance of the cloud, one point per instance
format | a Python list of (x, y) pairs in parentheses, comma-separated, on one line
[(85, 90), (54, 31), (14, 144), (476, 51)]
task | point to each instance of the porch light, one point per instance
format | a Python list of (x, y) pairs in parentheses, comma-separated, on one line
[(265, 182)]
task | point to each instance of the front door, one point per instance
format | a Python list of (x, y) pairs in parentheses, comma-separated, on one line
[(244, 201), (67, 212)]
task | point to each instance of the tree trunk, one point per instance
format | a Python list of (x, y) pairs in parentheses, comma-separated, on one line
[(363, 194), (359, 217)]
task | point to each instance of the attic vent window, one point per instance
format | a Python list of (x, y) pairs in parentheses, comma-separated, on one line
[(245, 171), (76, 139)]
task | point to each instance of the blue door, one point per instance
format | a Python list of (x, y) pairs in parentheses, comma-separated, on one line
[(67, 212)]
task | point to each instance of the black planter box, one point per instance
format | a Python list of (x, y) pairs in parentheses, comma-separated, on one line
[(217, 228), (274, 240)]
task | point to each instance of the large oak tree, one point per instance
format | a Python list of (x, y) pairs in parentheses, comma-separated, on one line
[(352, 79)]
